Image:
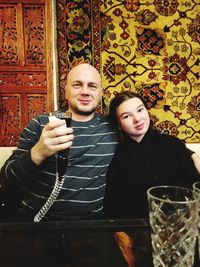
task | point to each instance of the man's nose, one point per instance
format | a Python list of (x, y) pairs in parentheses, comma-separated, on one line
[(84, 89)]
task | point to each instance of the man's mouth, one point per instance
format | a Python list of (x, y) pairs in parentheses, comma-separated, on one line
[(84, 101)]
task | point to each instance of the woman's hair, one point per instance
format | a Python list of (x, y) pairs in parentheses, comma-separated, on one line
[(115, 103)]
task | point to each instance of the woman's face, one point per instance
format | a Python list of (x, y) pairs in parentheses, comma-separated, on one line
[(133, 118)]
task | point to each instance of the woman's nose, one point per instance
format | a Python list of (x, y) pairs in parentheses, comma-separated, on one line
[(136, 118)]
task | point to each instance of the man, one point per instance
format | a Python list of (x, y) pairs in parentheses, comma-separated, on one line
[(32, 167)]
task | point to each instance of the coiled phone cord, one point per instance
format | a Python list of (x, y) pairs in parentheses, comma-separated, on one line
[(54, 194), (61, 166)]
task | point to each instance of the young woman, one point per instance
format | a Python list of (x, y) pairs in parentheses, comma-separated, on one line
[(144, 158)]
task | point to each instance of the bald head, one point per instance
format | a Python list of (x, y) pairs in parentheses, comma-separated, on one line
[(83, 68), (83, 91)]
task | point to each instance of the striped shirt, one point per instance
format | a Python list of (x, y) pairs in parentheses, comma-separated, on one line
[(82, 193)]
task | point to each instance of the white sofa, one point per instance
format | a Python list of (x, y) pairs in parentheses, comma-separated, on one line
[(5, 152)]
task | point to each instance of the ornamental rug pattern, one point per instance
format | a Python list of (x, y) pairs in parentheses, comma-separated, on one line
[(151, 47)]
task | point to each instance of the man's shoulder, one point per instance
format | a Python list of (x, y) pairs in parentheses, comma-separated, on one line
[(101, 117), (104, 125)]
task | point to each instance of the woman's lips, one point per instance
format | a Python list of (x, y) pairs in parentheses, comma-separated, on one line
[(139, 127)]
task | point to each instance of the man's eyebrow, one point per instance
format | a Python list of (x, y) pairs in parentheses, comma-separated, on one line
[(93, 83), (76, 81), (79, 81)]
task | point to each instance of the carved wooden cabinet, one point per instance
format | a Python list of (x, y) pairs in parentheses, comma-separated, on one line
[(26, 82)]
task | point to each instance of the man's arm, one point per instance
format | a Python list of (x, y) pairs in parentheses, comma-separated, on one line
[(39, 140)]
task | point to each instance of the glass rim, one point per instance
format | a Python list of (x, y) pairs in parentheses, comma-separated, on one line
[(194, 185), (192, 200)]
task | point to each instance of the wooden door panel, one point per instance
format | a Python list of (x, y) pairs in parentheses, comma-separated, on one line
[(10, 122), (8, 35), (25, 67), (36, 104), (34, 34)]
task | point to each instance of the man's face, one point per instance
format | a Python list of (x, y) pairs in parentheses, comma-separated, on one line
[(83, 90)]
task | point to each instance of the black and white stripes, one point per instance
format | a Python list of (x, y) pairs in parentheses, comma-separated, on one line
[(84, 186)]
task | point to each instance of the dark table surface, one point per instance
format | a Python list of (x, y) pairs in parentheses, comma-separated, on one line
[(110, 225), (80, 243)]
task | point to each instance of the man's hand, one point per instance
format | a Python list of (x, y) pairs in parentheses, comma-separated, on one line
[(54, 138)]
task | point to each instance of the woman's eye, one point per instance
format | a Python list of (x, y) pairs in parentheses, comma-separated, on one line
[(140, 109), (125, 117)]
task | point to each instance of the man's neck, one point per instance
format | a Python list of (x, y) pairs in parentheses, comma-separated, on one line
[(83, 118)]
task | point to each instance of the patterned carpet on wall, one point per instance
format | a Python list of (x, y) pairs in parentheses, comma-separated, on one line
[(151, 47), (78, 38)]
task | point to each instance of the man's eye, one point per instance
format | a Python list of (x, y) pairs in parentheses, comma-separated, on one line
[(93, 86), (76, 85)]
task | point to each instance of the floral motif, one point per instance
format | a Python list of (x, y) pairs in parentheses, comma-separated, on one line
[(123, 25), (145, 17), (106, 31), (168, 127), (175, 68), (117, 12), (151, 94), (177, 22), (109, 69), (152, 75), (125, 35), (194, 107), (150, 41), (194, 29), (152, 62), (120, 69), (79, 21), (131, 5), (166, 7)]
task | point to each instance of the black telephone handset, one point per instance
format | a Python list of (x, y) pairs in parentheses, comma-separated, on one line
[(62, 156)]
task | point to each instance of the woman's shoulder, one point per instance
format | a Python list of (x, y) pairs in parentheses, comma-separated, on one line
[(169, 139)]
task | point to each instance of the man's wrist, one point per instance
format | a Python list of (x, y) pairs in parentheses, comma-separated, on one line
[(36, 157)]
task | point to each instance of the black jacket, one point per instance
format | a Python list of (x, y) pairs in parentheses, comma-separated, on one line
[(158, 159)]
